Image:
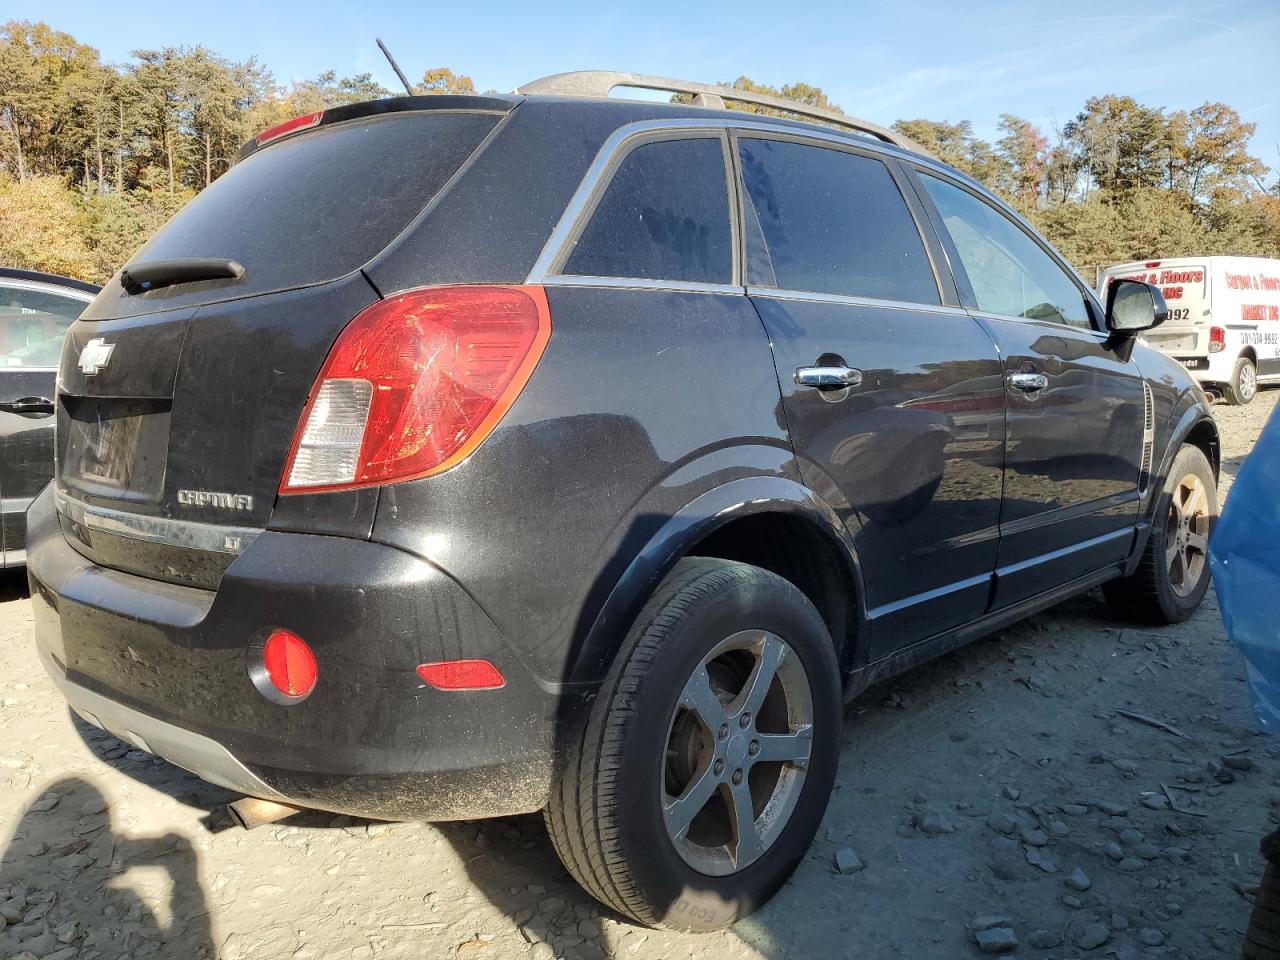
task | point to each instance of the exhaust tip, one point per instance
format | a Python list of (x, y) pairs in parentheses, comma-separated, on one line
[(250, 812)]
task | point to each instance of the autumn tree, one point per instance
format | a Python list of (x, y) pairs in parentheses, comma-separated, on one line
[(955, 144), (444, 80), (1024, 150)]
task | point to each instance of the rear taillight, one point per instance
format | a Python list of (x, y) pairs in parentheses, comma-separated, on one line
[(415, 383), (305, 122), (1217, 339)]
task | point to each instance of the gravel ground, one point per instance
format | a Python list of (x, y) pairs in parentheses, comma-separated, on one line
[(997, 792)]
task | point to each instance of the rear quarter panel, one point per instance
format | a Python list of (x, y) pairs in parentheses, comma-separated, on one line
[(642, 401)]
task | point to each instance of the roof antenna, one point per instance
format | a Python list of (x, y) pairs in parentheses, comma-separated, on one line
[(394, 66)]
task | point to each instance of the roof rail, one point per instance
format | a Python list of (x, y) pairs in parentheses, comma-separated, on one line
[(599, 83)]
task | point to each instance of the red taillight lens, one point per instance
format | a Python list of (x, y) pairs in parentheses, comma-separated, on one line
[(290, 664), (415, 383), (462, 675), (1217, 339), (305, 122)]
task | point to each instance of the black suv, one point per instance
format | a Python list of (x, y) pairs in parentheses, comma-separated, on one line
[(460, 457)]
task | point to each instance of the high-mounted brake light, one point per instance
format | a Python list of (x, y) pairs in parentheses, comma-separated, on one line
[(1217, 339), (1151, 264), (415, 383), (305, 122)]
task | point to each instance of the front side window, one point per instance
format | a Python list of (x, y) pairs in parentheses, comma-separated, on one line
[(828, 221), (1010, 273), (664, 216), (32, 323)]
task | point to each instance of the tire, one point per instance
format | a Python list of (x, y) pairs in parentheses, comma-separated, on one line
[(1243, 386), (1161, 591), (1262, 939), (608, 816)]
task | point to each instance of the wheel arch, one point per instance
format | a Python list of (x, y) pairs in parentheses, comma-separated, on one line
[(1197, 427), (742, 520)]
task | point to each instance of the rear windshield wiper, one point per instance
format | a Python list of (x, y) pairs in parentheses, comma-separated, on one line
[(142, 277)]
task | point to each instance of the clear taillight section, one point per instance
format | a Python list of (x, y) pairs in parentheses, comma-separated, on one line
[(415, 383), (328, 451)]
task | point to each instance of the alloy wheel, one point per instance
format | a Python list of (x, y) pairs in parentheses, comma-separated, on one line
[(1248, 382), (1187, 534), (738, 749)]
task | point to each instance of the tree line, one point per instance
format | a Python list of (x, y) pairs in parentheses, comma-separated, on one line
[(95, 156)]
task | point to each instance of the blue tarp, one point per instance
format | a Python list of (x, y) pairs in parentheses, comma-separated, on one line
[(1244, 555)]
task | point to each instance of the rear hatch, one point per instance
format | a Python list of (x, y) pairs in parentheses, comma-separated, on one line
[(178, 405), (1185, 285)]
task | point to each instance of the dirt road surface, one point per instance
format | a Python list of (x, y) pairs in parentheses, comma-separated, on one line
[(1001, 784)]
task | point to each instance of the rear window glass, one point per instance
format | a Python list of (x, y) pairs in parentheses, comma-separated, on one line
[(318, 206), (827, 221), (664, 216)]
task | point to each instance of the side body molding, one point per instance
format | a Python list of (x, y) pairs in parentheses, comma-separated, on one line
[(680, 534)]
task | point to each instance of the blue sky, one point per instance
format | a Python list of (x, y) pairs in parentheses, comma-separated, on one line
[(919, 58)]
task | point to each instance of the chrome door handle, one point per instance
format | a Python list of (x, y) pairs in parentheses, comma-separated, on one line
[(1028, 381), (828, 378)]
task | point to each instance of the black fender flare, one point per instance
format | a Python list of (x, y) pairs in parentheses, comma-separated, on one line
[(677, 535)]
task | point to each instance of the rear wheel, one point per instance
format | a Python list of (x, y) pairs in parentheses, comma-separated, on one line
[(708, 757), (1243, 386), (1173, 574)]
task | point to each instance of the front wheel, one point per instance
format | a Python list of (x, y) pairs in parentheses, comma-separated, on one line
[(1243, 386), (1173, 574), (708, 757)]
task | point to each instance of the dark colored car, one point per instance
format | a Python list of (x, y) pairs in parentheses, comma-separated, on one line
[(35, 311), (458, 457)]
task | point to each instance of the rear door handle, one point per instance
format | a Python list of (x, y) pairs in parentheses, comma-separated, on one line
[(27, 405), (828, 378), (1028, 381)]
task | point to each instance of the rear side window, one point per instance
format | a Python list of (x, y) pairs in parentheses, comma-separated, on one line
[(1010, 273), (32, 323), (827, 221), (318, 206), (664, 216)]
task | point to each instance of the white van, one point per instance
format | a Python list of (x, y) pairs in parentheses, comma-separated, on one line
[(1224, 318)]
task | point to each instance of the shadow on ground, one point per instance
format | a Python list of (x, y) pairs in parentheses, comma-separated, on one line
[(70, 882)]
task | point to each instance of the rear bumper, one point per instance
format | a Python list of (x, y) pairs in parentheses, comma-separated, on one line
[(166, 667)]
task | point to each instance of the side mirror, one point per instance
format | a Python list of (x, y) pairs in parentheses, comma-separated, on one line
[(1134, 306)]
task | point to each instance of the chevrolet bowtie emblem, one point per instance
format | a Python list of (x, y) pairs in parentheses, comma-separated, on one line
[(95, 355)]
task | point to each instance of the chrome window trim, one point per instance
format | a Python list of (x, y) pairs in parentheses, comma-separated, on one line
[(209, 537), (1097, 335), (71, 293), (811, 296), (618, 144), (640, 283)]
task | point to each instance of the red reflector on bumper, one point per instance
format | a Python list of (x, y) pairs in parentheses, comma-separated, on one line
[(290, 664), (462, 675)]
